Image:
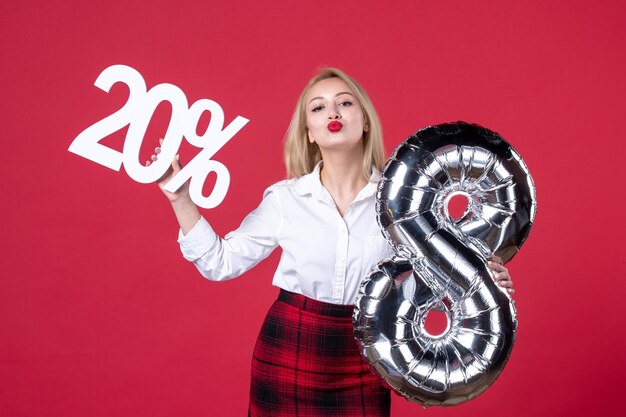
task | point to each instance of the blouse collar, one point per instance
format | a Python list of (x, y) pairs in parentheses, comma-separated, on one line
[(312, 184)]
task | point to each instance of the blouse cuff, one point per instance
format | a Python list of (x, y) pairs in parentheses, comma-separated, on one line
[(198, 241)]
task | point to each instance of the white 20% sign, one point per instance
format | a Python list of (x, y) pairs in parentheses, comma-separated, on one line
[(137, 112)]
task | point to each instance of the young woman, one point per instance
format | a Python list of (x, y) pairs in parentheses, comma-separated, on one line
[(306, 361)]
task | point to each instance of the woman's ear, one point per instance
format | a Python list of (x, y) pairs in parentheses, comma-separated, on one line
[(308, 133), (366, 127)]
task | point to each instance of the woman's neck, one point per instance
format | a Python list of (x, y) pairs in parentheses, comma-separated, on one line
[(343, 177)]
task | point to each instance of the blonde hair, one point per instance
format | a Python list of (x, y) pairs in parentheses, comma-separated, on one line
[(301, 155)]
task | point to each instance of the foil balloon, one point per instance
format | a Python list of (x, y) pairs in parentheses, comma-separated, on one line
[(440, 263)]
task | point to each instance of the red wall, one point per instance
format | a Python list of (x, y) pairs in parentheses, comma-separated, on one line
[(101, 316)]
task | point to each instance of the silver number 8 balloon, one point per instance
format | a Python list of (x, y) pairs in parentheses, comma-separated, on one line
[(440, 263)]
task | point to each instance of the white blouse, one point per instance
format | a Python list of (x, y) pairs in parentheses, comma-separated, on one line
[(324, 256)]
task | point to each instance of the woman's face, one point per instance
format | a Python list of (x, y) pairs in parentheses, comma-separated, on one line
[(334, 117)]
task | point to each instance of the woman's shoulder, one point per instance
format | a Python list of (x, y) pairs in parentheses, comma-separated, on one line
[(296, 185), (284, 186)]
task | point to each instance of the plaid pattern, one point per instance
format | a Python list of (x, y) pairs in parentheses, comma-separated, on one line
[(307, 363)]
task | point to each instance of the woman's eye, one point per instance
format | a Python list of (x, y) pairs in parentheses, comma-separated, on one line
[(316, 108), (345, 103)]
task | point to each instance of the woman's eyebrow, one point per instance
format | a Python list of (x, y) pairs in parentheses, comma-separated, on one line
[(336, 95)]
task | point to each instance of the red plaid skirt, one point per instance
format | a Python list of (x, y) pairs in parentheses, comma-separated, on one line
[(307, 363)]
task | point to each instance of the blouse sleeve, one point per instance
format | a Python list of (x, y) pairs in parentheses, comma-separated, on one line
[(220, 259)]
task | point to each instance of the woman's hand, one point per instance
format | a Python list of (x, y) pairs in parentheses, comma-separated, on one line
[(175, 167), (501, 275), (185, 210)]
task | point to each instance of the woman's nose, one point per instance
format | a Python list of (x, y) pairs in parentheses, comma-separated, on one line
[(334, 114)]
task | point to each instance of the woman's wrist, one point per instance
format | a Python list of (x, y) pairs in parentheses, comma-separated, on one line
[(187, 213), (182, 201)]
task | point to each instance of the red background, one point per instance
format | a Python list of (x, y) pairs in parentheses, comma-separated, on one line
[(101, 316)]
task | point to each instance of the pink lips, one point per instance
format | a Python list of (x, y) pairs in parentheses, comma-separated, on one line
[(334, 126)]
